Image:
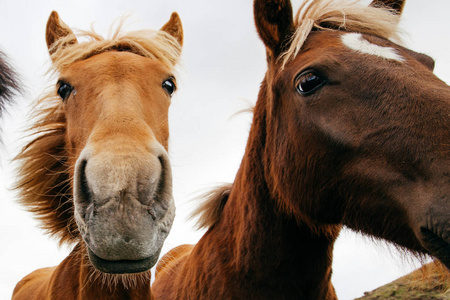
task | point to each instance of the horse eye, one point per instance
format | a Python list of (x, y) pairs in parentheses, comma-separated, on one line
[(308, 82), (169, 86), (64, 90)]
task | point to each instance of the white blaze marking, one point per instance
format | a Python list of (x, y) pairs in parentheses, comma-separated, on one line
[(356, 42)]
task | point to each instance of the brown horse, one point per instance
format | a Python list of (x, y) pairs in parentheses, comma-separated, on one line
[(97, 172), (9, 83), (349, 128)]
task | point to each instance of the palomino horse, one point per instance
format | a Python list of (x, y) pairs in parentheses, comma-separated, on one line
[(349, 128), (9, 84), (97, 172)]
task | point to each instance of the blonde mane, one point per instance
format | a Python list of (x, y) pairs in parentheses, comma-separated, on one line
[(43, 176), (44, 183), (346, 15)]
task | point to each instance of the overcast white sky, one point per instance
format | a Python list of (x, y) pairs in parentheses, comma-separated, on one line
[(223, 65)]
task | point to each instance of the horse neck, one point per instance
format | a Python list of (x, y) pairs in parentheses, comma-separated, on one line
[(75, 278), (267, 247)]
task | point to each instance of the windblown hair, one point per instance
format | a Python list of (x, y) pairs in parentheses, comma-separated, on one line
[(152, 44), (9, 83), (44, 182), (346, 15), (209, 211)]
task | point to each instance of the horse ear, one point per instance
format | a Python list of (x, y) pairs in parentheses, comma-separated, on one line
[(274, 23), (396, 5), (174, 28), (57, 29)]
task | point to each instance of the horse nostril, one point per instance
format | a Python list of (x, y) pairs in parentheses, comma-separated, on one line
[(161, 161), (85, 198), (162, 179), (434, 242)]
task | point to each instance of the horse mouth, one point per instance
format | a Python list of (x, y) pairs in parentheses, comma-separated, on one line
[(437, 245), (122, 266)]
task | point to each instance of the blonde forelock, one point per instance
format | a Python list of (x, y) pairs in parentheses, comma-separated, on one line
[(345, 15), (153, 44)]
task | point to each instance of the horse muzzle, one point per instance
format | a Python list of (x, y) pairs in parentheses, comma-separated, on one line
[(426, 202), (124, 207)]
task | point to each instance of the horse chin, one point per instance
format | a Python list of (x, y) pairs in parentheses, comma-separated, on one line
[(123, 266), (118, 254)]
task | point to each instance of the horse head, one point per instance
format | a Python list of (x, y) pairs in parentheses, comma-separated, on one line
[(349, 110), (103, 145)]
